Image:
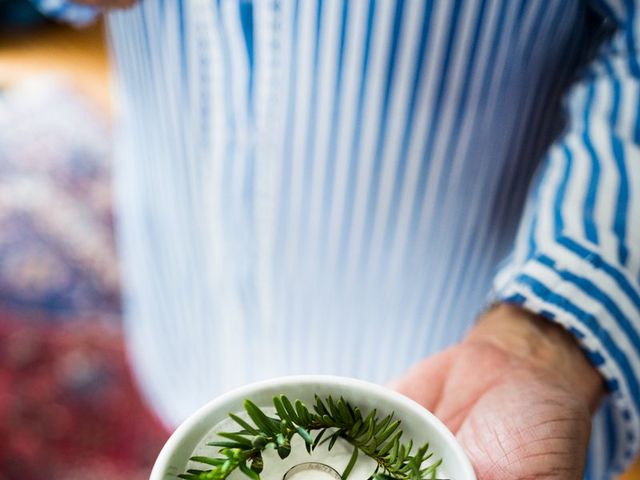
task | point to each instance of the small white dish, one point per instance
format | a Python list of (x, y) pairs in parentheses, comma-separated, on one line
[(418, 423)]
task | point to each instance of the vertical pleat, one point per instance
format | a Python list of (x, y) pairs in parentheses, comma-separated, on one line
[(323, 186)]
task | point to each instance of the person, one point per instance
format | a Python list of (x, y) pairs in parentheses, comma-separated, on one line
[(328, 187)]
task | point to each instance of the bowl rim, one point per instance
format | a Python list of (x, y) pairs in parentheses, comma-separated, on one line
[(162, 462)]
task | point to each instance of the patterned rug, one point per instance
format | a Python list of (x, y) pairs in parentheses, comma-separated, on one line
[(69, 409), (57, 252)]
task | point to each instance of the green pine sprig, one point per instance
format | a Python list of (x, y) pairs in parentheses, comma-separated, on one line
[(378, 438)]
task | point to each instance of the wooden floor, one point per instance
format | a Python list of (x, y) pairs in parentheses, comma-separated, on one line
[(80, 54)]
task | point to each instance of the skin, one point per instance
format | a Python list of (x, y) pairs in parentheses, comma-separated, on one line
[(107, 3), (517, 392)]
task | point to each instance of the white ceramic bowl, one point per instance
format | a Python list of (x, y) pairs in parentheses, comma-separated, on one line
[(417, 423)]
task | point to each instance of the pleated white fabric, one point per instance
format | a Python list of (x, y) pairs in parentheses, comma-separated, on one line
[(327, 186)]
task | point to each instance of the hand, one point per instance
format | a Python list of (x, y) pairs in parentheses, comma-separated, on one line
[(107, 3), (517, 392)]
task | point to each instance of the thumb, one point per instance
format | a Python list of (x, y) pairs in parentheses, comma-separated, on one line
[(424, 381)]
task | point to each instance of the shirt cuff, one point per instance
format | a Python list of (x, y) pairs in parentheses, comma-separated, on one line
[(65, 11), (573, 285)]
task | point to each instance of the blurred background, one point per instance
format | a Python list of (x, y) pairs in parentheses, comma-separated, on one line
[(68, 406)]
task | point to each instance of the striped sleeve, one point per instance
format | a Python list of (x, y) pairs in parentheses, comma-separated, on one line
[(66, 11), (576, 258)]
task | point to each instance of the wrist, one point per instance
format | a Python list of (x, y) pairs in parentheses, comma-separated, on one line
[(540, 344)]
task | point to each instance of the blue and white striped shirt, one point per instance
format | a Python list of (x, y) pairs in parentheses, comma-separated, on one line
[(327, 186)]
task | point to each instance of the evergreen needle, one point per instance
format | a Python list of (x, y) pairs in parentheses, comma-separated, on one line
[(378, 438)]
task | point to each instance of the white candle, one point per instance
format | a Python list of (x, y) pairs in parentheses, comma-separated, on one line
[(312, 471), (297, 463)]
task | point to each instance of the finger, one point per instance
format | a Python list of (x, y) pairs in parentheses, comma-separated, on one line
[(424, 381), (125, 3), (107, 3)]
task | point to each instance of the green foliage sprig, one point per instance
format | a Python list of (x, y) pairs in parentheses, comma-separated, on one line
[(380, 439)]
